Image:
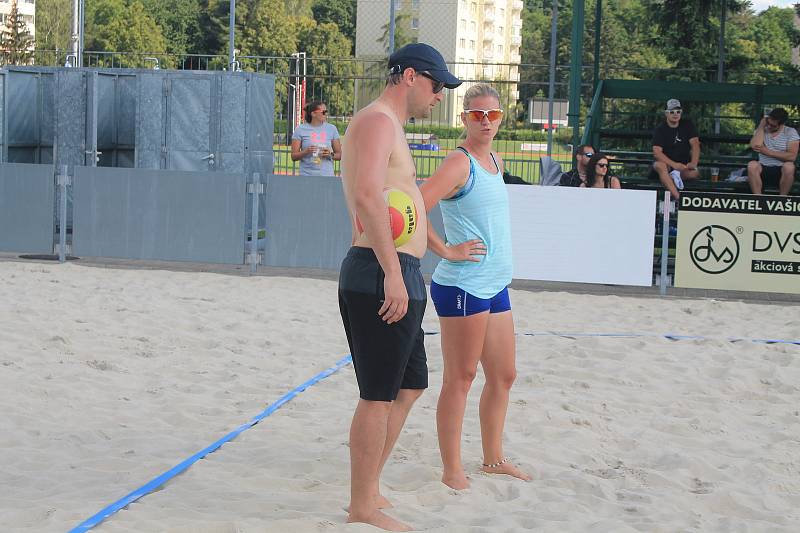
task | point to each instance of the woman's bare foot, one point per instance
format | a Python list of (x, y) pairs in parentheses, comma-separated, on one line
[(458, 481), (380, 519), (508, 469), (380, 502)]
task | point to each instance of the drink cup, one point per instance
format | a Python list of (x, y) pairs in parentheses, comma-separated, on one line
[(714, 174), (315, 155)]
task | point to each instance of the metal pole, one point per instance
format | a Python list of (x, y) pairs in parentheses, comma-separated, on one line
[(75, 37), (231, 23), (665, 244), (721, 54), (391, 25), (551, 90), (81, 32), (254, 223), (63, 180), (598, 22), (575, 68)]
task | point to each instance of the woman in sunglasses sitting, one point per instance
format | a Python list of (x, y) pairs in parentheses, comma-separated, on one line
[(315, 143), (597, 173), (470, 287)]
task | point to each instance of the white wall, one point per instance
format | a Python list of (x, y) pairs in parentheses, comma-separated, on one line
[(583, 235)]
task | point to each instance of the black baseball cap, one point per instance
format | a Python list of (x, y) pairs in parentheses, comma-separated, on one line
[(422, 58)]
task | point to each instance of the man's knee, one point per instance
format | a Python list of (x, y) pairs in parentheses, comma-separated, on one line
[(660, 166), (409, 395), (787, 169)]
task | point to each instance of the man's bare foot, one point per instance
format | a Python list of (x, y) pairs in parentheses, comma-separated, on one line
[(457, 481), (508, 469), (380, 502), (380, 519)]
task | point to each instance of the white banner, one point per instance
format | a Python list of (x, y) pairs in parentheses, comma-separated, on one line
[(582, 235)]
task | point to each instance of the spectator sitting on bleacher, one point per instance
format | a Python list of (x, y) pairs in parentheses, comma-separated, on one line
[(597, 173), (776, 145), (676, 149), (577, 176)]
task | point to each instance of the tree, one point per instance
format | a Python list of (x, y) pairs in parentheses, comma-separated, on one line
[(689, 30), (331, 73), (53, 29), (179, 21), (340, 12), (16, 41), (114, 26), (402, 31)]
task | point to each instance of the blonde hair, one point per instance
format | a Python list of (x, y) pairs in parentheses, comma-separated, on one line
[(478, 90)]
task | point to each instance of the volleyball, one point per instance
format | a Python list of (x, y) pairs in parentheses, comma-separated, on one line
[(402, 216)]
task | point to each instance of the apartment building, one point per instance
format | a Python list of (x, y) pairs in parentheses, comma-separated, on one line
[(480, 38), (26, 8)]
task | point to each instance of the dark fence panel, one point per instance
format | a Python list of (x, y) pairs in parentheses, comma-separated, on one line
[(27, 193), (163, 215), (308, 226)]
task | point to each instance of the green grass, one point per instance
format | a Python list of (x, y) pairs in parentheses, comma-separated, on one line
[(517, 162)]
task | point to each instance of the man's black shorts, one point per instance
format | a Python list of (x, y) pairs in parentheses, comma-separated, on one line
[(386, 357), (771, 176)]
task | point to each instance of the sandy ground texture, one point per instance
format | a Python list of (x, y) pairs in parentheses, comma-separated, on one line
[(109, 377)]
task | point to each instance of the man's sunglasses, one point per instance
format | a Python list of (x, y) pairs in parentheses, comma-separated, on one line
[(674, 111), (478, 114), (437, 85), (587, 154)]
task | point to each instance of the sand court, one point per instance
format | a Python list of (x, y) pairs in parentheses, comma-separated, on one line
[(109, 377)]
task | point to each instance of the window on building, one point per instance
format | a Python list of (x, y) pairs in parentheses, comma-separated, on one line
[(462, 25), (462, 43), (473, 8), (499, 48), (501, 30), (472, 45), (502, 13), (415, 23), (472, 26)]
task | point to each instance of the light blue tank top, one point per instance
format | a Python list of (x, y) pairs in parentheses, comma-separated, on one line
[(478, 211)]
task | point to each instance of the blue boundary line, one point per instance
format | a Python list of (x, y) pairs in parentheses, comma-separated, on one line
[(181, 467), (670, 336)]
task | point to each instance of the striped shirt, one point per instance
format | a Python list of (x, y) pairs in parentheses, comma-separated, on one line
[(478, 211), (778, 143)]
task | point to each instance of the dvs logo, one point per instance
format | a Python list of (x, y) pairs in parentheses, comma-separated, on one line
[(714, 249)]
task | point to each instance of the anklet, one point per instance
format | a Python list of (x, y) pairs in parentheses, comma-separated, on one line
[(495, 465)]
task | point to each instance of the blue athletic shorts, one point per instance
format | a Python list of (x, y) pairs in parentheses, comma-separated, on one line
[(452, 301)]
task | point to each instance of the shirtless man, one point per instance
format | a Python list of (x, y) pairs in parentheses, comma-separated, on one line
[(382, 293)]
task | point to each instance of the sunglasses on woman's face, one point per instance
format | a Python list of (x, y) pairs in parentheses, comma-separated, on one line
[(478, 114), (602, 165), (323, 111)]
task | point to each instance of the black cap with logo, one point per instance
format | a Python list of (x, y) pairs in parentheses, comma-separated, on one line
[(422, 58)]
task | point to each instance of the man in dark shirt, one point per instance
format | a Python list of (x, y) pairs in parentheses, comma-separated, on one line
[(577, 176), (676, 149)]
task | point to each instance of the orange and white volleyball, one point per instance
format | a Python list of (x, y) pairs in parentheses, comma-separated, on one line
[(402, 216)]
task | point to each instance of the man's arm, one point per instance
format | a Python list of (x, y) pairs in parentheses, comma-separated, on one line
[(374, 136), (789, 155), (659, 155), (694, 143), (757, 140)]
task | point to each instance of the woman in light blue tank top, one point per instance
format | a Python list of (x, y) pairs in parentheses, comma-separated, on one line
[(469, 287)]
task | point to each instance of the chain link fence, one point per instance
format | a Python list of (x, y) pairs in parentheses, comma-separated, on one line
[(348, 84)]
